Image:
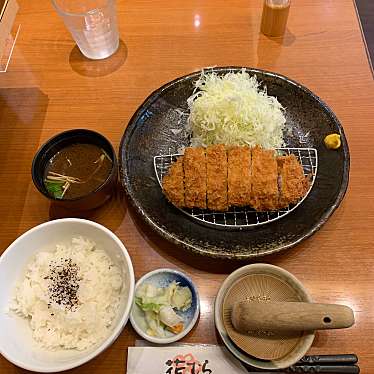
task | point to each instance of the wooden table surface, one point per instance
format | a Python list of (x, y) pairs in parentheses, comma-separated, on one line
[(50, 87)]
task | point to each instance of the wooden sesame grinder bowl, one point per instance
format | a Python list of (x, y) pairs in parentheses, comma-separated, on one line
[(268, 314)]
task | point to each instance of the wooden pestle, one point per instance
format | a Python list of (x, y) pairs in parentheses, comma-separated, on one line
[(289, 316)]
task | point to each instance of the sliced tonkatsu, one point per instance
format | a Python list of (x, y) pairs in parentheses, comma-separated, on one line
[(216, 173), (173, 183), (264, 194), (217, 178), (238, 176), (293, 185), (194, 165)]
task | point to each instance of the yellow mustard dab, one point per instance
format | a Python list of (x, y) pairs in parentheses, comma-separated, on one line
[(332, 141)]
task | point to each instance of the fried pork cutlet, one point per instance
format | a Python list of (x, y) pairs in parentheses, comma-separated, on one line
[(194, 165), (293, 185), (216, 171), (173, 183), (264, 194), (238, 176), (216, 178)]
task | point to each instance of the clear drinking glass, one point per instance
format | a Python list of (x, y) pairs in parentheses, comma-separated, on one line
[(93, 25)]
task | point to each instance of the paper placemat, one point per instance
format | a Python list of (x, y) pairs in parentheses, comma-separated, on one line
[(185, 359)]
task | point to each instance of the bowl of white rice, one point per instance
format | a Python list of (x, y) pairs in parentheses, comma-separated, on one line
[(67, 288)]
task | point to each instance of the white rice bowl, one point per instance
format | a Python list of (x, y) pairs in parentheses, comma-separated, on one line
[(17, 343), (70, 295)]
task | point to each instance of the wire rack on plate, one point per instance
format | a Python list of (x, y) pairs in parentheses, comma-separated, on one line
[(243, 217)]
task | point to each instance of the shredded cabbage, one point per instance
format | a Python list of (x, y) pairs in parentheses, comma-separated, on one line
[(233, 110)]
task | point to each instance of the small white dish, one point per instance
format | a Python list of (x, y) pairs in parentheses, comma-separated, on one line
[(162, 278), (16, 342)]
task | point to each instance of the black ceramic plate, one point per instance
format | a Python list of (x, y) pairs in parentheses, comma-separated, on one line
[(157, 128)]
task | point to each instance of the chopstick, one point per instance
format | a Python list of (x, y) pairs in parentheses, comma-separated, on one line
[(338, 369), (345, 359), (328, 369), (333, 369), (338, 364)]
